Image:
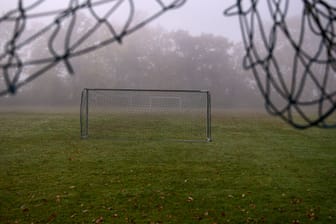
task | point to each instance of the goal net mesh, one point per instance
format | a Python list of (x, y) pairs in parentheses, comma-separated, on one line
[(146, 114)]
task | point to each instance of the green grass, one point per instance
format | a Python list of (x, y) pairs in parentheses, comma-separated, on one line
[(257, 170), (144, 126)]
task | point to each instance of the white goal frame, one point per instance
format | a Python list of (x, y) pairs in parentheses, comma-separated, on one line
[(85, 106)]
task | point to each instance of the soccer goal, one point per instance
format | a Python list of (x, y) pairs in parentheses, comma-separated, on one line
[(182, 115)]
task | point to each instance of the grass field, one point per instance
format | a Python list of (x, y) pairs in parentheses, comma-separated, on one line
[(149, 126), (257, 170)]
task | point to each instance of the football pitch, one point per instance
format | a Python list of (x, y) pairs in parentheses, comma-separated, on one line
[(257, 170)]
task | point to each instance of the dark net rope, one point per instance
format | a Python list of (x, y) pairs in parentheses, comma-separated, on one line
[(304, 93), (12, 63)]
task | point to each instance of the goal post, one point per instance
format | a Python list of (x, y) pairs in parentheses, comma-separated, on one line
[(182, 115)]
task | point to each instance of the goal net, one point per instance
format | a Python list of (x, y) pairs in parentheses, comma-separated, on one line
[(183, 115)]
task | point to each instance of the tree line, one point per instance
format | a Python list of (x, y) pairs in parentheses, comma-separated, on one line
[(152, 58)]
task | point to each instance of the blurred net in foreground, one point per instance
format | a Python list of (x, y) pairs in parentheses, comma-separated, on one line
[(293, 60), (62, 34)]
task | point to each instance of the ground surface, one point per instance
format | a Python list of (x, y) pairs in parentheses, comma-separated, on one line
[(257, 170)]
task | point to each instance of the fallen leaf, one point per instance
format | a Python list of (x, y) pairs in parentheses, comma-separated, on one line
[(253, 206), (160, 207), (52, 217), (58, 198), (296, 201), (99, 220), (311, 214), (24, 208), (190, 199)]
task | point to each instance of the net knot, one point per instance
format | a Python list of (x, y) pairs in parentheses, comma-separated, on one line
[(12, 89)]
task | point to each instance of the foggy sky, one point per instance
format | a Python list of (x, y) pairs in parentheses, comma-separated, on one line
[(196, 16)]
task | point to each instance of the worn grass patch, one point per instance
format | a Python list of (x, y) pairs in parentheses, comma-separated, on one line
[(257, 170)]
